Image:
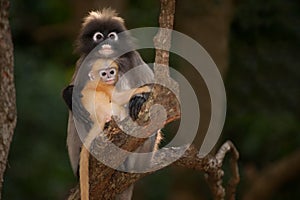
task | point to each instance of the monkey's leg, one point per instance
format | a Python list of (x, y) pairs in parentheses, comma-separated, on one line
[(123, 97), (150, 145), (137, 163)]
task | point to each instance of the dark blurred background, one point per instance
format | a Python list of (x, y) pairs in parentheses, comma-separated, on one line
[(255, 44)]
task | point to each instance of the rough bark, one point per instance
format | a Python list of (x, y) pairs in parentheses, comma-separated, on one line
[(7, 89)]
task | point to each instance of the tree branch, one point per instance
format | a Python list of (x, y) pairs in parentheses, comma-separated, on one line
[(212, 166), (235, 179)]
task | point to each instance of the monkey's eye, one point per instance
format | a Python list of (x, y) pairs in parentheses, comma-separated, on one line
[(98, 36), (112, 71), (113, 36), (103, 73)]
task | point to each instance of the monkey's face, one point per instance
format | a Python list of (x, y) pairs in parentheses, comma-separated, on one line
[(104, 33), (108, 76), (108, 47), (105, 71)]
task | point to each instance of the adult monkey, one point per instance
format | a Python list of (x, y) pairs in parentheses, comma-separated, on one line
[(101, 30)]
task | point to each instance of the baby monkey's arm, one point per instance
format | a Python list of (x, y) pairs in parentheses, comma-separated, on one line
[(123, 97)]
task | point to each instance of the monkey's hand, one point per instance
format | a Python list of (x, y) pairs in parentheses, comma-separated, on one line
[(74, 104), (67, 96), (135, 104)]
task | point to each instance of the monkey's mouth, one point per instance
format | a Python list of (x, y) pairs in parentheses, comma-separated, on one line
[(106, 50), (110, 81)]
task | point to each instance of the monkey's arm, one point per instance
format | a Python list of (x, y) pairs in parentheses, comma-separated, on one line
[(121, 98)]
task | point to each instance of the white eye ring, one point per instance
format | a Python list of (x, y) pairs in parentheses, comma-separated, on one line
[(103, 73), (98, 37), (112, 71), (113, 36)]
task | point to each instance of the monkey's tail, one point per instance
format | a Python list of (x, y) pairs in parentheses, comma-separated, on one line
[(84, 173), (84, 162)]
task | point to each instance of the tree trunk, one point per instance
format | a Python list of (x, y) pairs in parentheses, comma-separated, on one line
[(7, 89)]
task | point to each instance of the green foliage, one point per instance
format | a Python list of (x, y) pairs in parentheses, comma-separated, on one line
[(143, 13), (48, 12), (38, 162), (263, 83)]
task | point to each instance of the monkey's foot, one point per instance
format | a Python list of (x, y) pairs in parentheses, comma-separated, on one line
[(136, 103)]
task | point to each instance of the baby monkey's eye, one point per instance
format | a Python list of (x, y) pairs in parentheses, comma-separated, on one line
[(98, 37), (113, 36), (112, 71), (103, 73)]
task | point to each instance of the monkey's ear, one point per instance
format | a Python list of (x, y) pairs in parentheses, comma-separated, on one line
[(91, 76)]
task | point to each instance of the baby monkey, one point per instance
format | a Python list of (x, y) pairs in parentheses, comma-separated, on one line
[(102, 100)]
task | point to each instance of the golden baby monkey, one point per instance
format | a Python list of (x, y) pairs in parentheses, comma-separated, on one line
[(99, 101)]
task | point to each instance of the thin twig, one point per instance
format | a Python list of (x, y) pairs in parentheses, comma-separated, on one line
[(212, 166), (234, 180)]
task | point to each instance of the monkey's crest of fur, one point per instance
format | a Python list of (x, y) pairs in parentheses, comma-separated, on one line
[(104, 14)]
